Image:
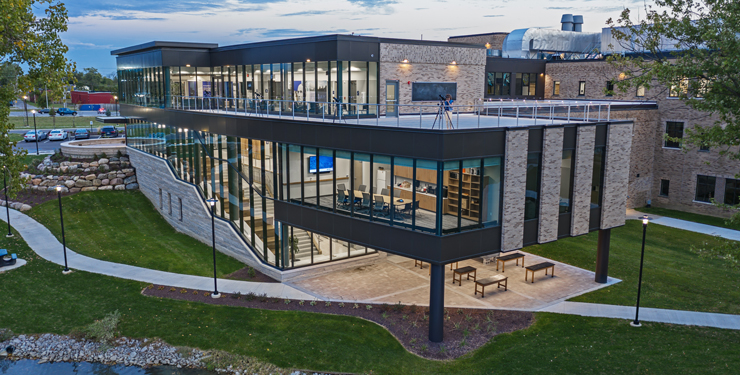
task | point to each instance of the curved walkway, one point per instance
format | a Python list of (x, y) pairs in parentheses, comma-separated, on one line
[(46, 245), (690, 226)]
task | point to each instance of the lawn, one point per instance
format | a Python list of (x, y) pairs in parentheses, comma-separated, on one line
[(673, 277), (704, 219), (124, 227), (47, 122), (37, 298)]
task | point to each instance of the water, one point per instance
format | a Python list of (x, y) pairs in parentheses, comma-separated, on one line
[(28, 366)]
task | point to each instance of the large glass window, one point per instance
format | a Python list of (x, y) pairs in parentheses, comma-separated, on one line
[(567, 167), (383, 202), (705, 188), (673, 129), (732, 191), (598, 176), (310, 176), (532, 194), (491, 186), (526, 83)]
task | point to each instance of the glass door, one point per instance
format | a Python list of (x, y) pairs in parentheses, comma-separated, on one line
[(391, 98)]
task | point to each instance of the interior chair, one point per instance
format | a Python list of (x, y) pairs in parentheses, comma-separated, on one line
[(363, 188)]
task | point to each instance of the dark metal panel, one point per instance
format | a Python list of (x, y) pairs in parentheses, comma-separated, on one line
[(569, 137), (506, 65), (564, 221), (176, 57), (594, 222), (600, 135), (535, 140), (531, 228)]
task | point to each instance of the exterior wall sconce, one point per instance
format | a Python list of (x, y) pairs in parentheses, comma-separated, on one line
[(308, 60), (454, 62), (187, 65), (405, 61)]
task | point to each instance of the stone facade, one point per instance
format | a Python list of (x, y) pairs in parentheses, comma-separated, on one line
[(552, 159), (432, 64), (492, 40), (651, 161), (515, 179), (616, 175), (581, 207)]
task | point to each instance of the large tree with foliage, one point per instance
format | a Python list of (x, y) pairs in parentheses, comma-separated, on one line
[(693, 48), (94, 81), (29, 38)]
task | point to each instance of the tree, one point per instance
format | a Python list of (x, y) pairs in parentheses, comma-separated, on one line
[(94, 81), (31, 42), (691, 47)]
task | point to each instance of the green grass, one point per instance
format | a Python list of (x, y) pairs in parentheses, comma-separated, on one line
[(698, 218), (37, 298), (15, 137), (673, 277), (46, 122), (124, 227)]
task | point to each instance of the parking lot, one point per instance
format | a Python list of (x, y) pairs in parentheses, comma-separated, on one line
[(46, 146)]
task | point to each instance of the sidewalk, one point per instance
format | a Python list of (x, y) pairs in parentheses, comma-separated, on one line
[(41, 241), (726, 321), (691, 226)]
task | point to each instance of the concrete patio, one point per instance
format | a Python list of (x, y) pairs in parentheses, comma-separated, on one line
[(397, 280)]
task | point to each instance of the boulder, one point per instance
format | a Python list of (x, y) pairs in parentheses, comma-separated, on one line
[(73, 168), (129, 180), (108, 187), (104, 167), (105, 181), (85, 165), (94, 164), (74, 190), (69, 183), (25, 208), (64, 189), (114, 159), (86, 170), (120, 187), (121, 175), (97, 182), (64, 169), (129, 174), (16, 205), (82, 183), (133, 186), (111, 175), (36, 181), (90, 177), (55, 165), (102, 176), (90, 188), (115, 163), (124, 158), (116, 181), (127, 170), (103, 161)]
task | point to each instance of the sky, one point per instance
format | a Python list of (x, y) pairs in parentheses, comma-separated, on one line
[(98, 26)]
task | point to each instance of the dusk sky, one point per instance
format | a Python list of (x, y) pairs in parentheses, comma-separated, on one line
[(98, 26)]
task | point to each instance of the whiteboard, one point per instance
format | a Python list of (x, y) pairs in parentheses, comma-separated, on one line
[(430, 91)]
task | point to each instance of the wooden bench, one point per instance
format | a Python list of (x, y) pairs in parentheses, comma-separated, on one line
[(498, 279), (463, 271), (539, 266), (421, 265), (506, 258)]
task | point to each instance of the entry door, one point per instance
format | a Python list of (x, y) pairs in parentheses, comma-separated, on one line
[(391, 98)]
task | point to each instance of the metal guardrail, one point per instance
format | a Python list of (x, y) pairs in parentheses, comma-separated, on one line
[(484, 113)]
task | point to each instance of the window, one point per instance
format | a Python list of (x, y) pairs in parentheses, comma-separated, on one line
[(531, 197), (497, 84), (169, 203), (640, 91), (664, 185), (556, 88), (673, 129), (566, 180), (732, 191), (598, 176), (703, 148), (582, 88), (678, 87), (609, 88), (526, 84), (704, 188), (179, 200)]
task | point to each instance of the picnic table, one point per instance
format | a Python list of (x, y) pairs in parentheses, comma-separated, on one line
[(498, 279), (506, 258)]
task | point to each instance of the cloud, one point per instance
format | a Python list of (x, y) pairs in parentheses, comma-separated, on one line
[(80, 8), (373, 3), (131, 18), (88, 45), (305, 13), (493, 15), (285, 33)]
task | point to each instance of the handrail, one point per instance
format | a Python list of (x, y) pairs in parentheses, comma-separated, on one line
[(480, 114)]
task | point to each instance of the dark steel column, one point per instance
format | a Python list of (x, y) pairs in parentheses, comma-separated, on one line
[(437, 303), (602, 255)]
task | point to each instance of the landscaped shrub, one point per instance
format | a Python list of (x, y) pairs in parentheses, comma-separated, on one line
[(251, 273), (103, 330)]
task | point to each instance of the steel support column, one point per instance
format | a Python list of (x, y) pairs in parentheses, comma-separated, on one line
[(602, 255), (436, 303)]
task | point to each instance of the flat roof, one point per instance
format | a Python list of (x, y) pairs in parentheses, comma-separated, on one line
[(162, 44)]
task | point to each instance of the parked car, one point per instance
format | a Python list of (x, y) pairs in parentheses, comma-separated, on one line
[(66, 111), (82, 134), (101, 111), (108, 131), (44, 110), (58, 135), (31, 136)]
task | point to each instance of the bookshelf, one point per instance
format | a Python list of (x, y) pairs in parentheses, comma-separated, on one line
[(465, 193)]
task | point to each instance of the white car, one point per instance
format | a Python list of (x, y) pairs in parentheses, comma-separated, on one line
[(58, 135)]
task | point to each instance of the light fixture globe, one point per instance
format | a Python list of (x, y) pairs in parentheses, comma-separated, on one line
[(211, 202), (645, 220), (59, 187)]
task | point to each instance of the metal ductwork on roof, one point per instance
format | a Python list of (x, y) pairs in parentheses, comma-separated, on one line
[(578, 23), (567, 22), (535, 43)]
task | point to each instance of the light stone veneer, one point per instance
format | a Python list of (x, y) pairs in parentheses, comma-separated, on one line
[(552, 160), (515, 179), (616, 175), (581, 206)]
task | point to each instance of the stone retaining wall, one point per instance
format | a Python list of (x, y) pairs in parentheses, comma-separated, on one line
[(88, 148), (103, 174)]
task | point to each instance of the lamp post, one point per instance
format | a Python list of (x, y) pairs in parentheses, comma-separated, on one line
[(7, 204), (25, 108), (35, 132), (212, 203), (116, 98), (61, 219), (636, 323)]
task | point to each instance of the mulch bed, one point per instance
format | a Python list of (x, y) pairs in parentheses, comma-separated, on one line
[(243, 274), (464, 329), (35, 197)]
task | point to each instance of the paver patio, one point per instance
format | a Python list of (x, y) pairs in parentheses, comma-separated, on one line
[(397, 280)]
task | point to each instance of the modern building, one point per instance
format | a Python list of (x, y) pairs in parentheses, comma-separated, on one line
[(333, 151)]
